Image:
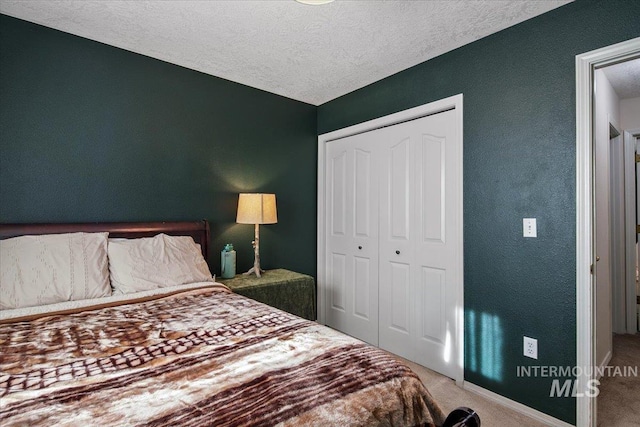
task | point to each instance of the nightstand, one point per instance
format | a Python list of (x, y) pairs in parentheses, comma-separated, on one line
[(287, 290)]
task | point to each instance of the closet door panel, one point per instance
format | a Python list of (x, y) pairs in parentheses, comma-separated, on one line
[(398, 179), (338, 292), (438, 224), (338, 176), (431, 296), (415, 210), (433, 188), (352, 242), (396, 252), (363, 242), (400, 297), (362, 193), (362, 288)]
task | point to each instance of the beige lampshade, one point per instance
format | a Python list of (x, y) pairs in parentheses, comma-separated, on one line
[(257, 208)]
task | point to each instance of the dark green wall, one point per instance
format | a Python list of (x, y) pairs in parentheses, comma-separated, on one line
[(519, 161), (89, 132)]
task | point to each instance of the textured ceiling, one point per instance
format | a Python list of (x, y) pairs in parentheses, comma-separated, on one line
[(625, 78), (309, 53)]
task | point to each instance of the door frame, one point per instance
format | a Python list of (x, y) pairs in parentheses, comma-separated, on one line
[(452, 102), (586, 64)]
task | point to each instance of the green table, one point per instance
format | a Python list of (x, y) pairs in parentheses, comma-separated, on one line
[(287, 290)]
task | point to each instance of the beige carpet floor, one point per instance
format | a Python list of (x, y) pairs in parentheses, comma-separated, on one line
[(450, 396), (619, 398), (618, 402)]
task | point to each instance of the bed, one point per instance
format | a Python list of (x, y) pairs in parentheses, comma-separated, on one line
[(185, 354)]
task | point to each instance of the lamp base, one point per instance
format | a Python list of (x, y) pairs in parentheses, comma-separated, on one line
[(254, 270), (256, 253)]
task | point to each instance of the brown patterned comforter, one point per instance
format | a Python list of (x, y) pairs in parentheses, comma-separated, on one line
[(203, 357)]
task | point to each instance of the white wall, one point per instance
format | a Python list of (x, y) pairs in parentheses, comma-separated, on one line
[(607, 111), (630, 114), (630, 121)]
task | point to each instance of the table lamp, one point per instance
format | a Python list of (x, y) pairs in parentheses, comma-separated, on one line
[(256, 208)]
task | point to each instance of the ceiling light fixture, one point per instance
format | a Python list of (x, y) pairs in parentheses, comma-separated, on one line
[(314, 2)]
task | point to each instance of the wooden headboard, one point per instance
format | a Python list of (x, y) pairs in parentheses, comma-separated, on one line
[(199, 230)]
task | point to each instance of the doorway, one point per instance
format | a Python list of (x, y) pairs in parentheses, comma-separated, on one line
[(587, 234)]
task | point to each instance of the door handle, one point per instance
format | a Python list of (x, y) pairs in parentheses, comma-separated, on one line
[(597, 258), (359, 247), (397, 252)]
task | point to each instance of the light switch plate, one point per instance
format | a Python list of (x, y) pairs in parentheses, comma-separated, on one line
[(529, 228)]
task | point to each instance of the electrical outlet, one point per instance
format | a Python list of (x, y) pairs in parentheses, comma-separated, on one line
[(531, 347)]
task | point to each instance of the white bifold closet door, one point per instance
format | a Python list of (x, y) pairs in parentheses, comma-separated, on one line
[(393, 232), (352, 236), (418, 241)]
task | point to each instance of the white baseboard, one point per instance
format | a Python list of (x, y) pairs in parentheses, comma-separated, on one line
[(518, 407)]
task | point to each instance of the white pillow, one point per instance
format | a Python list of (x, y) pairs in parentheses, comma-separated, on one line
[(155, 262), (51, 268)]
